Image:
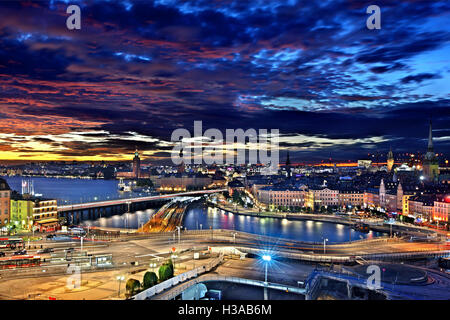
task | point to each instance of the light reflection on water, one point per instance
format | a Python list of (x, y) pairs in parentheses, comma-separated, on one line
[(283, 228), (132, 220), (202, 218)]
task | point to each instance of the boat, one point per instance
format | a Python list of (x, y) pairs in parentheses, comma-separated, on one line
[(123, 186), (361, 227)]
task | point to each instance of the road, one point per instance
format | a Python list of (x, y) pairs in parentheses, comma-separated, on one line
[(134, 253)]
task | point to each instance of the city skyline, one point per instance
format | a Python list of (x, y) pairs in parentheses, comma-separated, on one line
[(138, 70)]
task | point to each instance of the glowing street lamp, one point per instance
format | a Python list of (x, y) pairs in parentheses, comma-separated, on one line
[(324, 244), (267, 259), (153, 266)]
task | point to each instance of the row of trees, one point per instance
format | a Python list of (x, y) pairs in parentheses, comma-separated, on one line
[(134, 286)]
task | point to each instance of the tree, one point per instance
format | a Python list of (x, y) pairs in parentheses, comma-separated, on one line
[(132, 287), (166, 271), (144, 182), (149, 280)]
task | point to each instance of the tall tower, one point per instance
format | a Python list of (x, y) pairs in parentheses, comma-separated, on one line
[(430, 161), (181, 167), (288, 166), (390, 160), (136, 165)]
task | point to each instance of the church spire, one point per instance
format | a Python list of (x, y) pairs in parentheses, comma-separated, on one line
[(288, 165), (430, 138)]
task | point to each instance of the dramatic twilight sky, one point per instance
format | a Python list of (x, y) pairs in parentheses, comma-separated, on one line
[(137, 70)]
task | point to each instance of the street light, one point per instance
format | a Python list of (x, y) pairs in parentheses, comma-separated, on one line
[(324, 244), (267, 259), (82, 237), (179, 229), (120, 279)]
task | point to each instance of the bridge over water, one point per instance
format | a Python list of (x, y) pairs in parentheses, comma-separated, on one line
[(74, 212)]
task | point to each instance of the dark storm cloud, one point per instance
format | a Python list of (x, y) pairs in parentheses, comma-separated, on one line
[(311, 69)]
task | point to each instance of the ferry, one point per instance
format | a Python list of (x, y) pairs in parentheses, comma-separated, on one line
[(361, 227), (124, 187)]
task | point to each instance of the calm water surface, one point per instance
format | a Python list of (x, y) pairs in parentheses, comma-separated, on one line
[(84, 190)]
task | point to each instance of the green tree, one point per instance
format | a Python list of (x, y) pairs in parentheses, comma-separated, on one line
[(144, 182), (165, 272), (132, 287), (149, 280)]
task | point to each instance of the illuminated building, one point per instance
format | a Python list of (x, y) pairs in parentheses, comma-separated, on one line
[(441, 209), (390, 161), (282, 197), (350, 197), (421, 207), (22, 210), (183, 182), (45, 214), (5, 196)]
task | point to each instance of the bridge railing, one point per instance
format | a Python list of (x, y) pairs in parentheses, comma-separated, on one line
[(172, 294), (406, 255), (146, 294)]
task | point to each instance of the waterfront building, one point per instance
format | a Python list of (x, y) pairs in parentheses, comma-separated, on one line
[(351, 197), (183, 182), (430, 161), (282, 196), (372, 198), (135, 172), (22, 210), (45, 214), (5, 197), (318, 197)]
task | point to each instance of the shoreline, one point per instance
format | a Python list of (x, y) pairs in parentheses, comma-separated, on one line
[(410, 230)]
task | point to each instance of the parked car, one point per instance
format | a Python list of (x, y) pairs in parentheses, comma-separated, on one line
[(2, 254), (20, 252)]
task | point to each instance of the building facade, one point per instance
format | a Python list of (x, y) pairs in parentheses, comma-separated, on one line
[(5, 198), (45, 215), (22, 211)]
